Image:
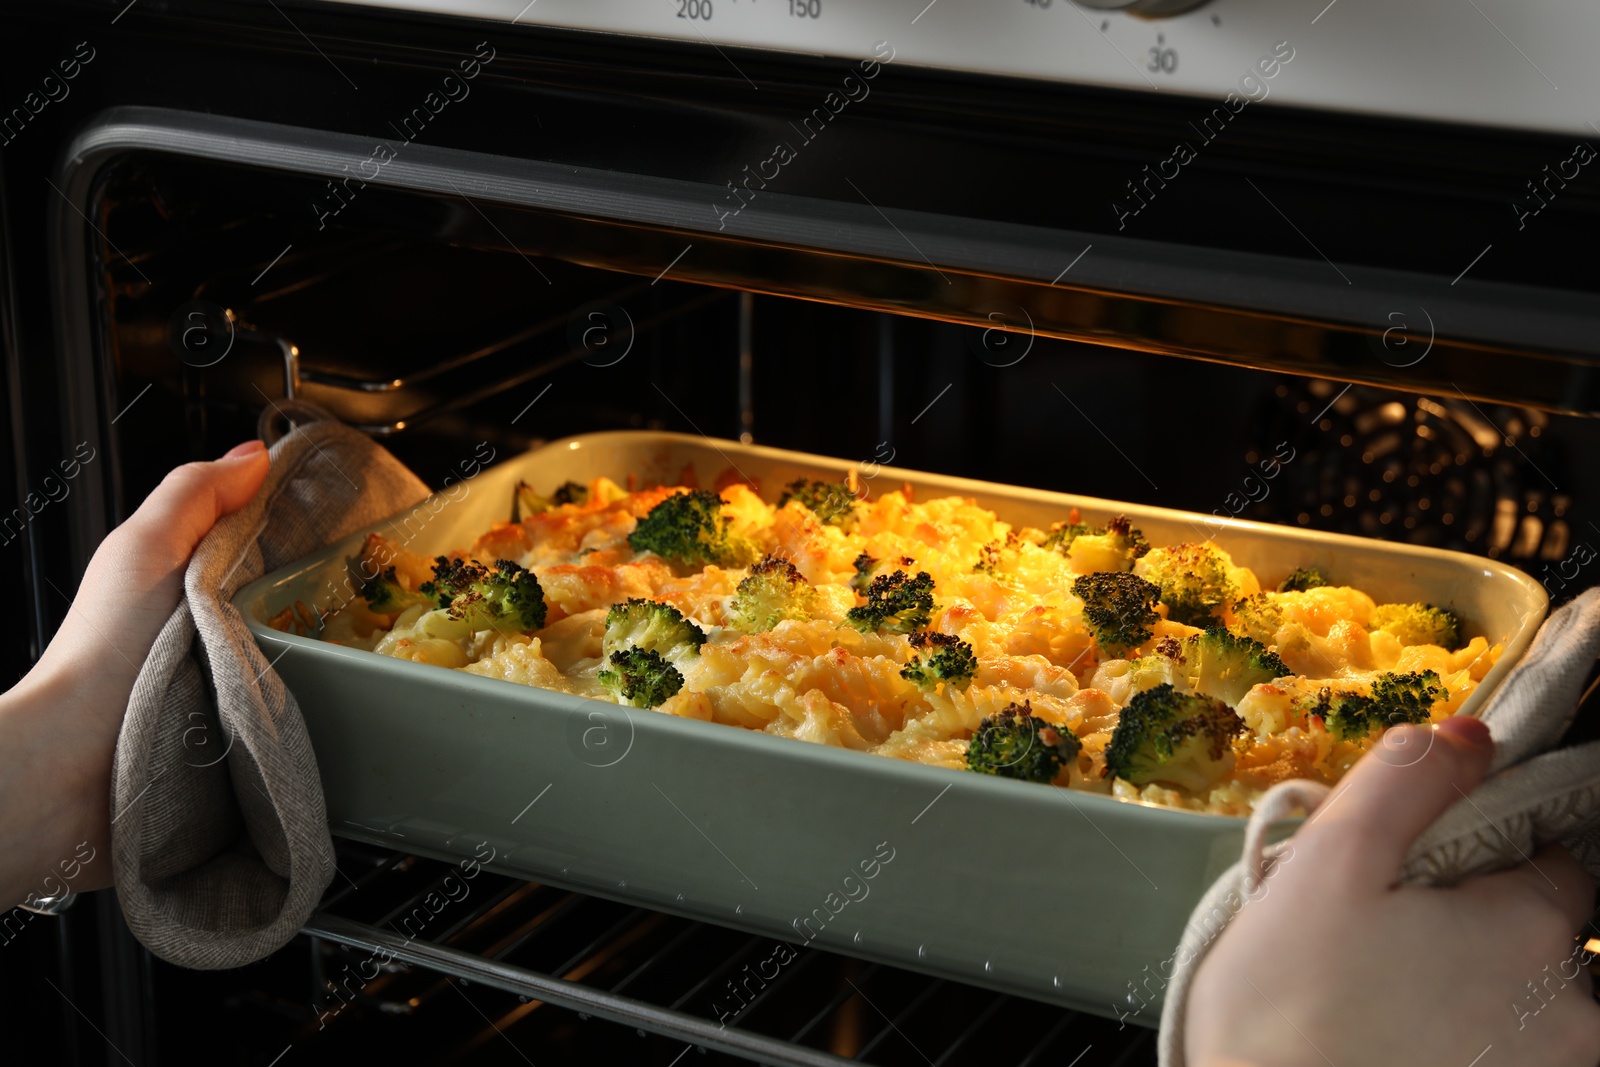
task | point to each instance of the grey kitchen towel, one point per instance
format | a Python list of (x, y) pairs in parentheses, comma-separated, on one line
[(1533, 796), (219, 833)]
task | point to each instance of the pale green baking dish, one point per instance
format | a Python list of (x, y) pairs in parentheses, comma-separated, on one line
[(1052, 894)]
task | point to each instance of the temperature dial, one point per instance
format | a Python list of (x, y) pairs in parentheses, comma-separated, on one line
[(1142, 7)]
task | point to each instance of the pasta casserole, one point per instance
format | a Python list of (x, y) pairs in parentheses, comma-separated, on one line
[(927, 630)]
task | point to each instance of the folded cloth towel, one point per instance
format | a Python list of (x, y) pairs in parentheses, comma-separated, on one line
[(1532, 797), (219, 833)]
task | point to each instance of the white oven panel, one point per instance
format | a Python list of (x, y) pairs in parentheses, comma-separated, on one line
[(1511, 63)]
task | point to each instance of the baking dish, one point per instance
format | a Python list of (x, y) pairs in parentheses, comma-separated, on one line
[(1058, 895)]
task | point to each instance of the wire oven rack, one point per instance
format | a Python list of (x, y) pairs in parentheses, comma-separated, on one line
[(548, 970)]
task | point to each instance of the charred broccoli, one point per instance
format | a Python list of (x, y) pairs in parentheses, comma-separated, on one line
[(1118, 609), (1015, 744), (868, 568), (1226, 667), (831, 502), (950, 660), (1418, 624), (689, 530), (896, 603), (773, 592), (1302, 579), (386, 595), (1393, 699), (1194, 580), (506, 597), (1174, 738), (652, 625), (640, 678)]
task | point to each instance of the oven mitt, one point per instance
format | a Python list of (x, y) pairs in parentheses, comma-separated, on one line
[(219, 833), (1531, 797)]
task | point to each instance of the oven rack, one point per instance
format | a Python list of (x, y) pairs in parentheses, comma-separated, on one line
[(438, 378), (660, 985)]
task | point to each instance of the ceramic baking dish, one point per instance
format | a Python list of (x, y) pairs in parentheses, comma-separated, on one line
[(1058, 895)]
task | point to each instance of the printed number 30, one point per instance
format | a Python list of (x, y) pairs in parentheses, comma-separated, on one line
[(1163, 59)]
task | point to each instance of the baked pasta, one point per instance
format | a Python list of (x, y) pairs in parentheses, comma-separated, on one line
[(925, 630)]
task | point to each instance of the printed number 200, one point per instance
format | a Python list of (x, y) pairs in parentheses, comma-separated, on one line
[(694, 9)]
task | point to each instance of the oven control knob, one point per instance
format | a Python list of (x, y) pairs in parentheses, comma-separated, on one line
[(1142, 7)]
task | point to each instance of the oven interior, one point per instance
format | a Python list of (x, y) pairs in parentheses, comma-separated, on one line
[(421, 320), (438, 322)]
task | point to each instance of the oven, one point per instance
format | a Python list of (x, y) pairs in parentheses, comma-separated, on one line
[(1133, 251)]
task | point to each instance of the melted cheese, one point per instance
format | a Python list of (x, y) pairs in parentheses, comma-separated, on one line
[(825, 682)]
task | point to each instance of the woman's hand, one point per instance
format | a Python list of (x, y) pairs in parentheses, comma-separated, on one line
[(1337, 964), (59, 725)]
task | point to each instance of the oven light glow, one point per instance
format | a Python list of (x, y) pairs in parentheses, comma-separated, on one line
[(1593, 946)]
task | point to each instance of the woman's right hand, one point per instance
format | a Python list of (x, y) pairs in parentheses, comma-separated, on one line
[(1338, 964)]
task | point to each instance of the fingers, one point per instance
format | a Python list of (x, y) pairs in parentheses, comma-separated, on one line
[(1392, 794), (189, 501), (135, 578), (1554, 875)]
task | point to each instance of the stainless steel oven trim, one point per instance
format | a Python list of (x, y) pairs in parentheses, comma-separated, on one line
[(1555, 321)]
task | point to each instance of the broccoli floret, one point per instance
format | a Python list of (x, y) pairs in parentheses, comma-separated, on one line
[(950, 660), (1118, 609), (1393, 699), (1194, 581), (896, 604), (1113, 547), (1177, 739), (652, 625), (1015, 744), (453, 577), (1226, 667), (387, 596), (1419, 624), (774, 591), (831, 502), (506, 597), (1302, 579), (525, 502), (1258, 617), (868, 568), (570, 493), (640, 678), (988, 559), (687, 529), (512, 593), (1062, 534)]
